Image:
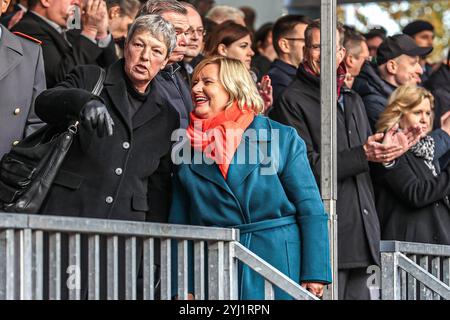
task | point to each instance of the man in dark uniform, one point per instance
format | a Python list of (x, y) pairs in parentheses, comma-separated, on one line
[(46, 20), (22, 78)]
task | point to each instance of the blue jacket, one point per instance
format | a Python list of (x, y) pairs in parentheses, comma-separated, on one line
[(281, 74), (274, 201)]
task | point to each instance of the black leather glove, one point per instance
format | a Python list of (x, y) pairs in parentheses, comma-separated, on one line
[(95, 115)]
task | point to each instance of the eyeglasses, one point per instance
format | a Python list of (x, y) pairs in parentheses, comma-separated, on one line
[(296, 39), (314, 47), (200, 32), (317, 47)]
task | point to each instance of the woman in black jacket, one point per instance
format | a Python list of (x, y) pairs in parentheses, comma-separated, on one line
[(119, 165), (411, 194)]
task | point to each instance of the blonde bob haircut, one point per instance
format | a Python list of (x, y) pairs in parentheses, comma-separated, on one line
[(237, 81), (403, 100)]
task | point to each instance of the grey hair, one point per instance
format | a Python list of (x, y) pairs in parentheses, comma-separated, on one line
[(162, 6), (157, 27), (224, 13)]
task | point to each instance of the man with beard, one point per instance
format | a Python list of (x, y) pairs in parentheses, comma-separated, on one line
[(423, 34)]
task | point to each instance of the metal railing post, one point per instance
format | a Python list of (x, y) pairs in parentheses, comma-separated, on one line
[(215, 271), (328, 101), (390, 276), (26, 264)]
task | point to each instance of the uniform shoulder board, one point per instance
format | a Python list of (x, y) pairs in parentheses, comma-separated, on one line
[(23, 35)]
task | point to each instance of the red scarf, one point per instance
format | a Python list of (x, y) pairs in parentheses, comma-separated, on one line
[(219, 137), (340, 75)]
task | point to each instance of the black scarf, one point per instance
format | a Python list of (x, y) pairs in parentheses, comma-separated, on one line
[(425, 149)]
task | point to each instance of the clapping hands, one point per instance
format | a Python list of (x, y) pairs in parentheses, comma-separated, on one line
[(384, 148)]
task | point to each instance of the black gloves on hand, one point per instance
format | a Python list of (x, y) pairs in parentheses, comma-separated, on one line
[(95, 115)]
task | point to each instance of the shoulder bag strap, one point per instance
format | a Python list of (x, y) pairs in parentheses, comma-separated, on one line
[(99, 85), (73, 127)]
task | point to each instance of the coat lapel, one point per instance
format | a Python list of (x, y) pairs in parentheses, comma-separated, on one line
[(11, 52), (348, 106), (116, 88), (209, 171), (249, 156)]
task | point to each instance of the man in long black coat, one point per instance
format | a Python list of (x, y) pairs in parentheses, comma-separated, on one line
[(63, 50), (358, 226)]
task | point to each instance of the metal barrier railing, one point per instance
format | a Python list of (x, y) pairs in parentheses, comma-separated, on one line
[(52, 257), (414, 271)]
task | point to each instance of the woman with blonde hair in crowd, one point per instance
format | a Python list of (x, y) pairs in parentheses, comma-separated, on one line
[(253, 175), (411, 193)]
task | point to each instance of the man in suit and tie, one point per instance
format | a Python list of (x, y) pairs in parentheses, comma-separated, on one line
[(22, 78), (46, 20)]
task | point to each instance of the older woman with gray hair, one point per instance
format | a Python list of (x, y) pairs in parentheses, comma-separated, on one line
[(118, 166), (121, 154)]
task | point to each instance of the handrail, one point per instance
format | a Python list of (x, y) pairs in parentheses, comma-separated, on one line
[(415, 248), (424, 276), (23, 274), (270, 274), (414, 271), (116, 227)]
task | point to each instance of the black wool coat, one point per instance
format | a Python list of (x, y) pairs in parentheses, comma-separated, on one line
[(358, 225), (125, 176), (412, 203), (61, 55)]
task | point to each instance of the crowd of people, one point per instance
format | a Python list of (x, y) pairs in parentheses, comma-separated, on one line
[(248, 105)]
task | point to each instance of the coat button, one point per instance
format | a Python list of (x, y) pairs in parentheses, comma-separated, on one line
[(15, 142), (437, 204), (366, 212), (109, 199), (126, 145), (118, 171), (349, 131), (16, 111)]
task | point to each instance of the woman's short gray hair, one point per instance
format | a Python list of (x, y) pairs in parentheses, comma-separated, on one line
[(157, 27)]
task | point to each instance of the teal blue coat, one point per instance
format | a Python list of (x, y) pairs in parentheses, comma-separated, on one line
[(274, 201)]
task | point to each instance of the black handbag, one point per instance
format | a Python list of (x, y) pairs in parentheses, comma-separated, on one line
[(28, 170)]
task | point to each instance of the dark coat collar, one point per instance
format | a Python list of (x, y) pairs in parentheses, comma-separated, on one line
[(58, 39), (370, 82), (116, 87), (284, 67), (170, 69), (307, 77)]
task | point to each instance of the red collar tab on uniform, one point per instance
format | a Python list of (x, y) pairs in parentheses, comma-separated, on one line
[(23, 35)]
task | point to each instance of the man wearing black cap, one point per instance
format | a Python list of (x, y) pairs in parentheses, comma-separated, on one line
[(423, 34), (397, 64)]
